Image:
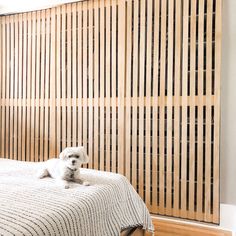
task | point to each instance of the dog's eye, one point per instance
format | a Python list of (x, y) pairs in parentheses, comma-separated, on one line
[(77, 157)]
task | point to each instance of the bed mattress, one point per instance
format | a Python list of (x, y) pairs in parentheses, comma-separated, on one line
[(31, 206)]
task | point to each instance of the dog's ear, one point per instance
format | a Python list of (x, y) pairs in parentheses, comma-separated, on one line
[(84, 157), (62, 155)]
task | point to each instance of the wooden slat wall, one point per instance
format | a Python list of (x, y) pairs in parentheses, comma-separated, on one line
[(135, 82)]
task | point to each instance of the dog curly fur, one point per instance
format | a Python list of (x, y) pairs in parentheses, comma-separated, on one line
[(66, 168)]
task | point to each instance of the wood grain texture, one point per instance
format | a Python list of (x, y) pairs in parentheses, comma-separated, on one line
[(172, 228)]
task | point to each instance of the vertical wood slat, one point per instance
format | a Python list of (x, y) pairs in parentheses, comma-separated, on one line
[(74, 74), (200, 110), (68, 73), (11, 134), (169, 108), (191, 212), (156, 26), (141, 94), (184, 110), (37, 84), (19, 152), (24, 76), (59, 78), (79, 67), (217, 62), (63, 80), (115, 73), (102, 82), (42, 89), (47, 73), (128, 89), (108, 78), (3, 85), (96, 83), (28, 85), (85, 72), (135, 94), (121, 84), (148, 105), (208, 151), (90, 81), (113, 85), (162, 108), (177, 74), (32, 135), (7, 133)]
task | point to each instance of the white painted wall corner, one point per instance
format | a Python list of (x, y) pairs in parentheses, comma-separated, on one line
[(228, 217)]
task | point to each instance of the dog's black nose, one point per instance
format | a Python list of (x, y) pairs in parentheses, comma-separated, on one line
[(73, 162)]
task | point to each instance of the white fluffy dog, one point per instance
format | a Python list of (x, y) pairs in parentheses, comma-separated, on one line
[(67, 167)]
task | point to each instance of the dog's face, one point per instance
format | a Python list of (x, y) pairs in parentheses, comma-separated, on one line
[(74, 157)]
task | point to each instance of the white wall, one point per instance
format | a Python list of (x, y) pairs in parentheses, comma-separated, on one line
[(228, 105)]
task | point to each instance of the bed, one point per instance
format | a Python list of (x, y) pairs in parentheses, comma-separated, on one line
[(29, 206)]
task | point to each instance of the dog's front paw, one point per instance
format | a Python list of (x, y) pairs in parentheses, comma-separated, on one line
[(42, 173), (86, 183), (63, 183), (66, 186)]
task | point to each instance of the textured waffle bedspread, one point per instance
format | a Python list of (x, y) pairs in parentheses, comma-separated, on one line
[(30, 206)]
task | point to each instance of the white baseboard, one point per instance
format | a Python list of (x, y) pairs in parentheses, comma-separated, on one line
[(228, 217)]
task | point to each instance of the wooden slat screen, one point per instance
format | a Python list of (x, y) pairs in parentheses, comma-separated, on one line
[(136, 82)]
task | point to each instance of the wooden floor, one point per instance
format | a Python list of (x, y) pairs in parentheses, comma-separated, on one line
[(172, 228)]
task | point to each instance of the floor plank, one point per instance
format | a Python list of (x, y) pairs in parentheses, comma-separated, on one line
[(171, 228)]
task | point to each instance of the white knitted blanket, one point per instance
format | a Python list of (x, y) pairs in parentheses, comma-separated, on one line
[(29, 206)]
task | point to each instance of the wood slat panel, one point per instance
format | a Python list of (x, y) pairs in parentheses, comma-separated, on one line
[(63, 80), (208, 84), (96, 83), (200, 111), (68, 72), (19, 122), (11, 135), (135, 82), (217, 63), (8, 42), (42, 85), (184, 153), (108, 82), (155, 156), (135, 93), (101, 82), (28, 86), (141, 93), (90, 81), (162, 81), (177, 81), (59, 78), (121, 84), (37, 86), (169, 108), (74, 75), (113, 84), (85, 72), (3, 92), (47, 73), (192, 82), (128, 91)]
